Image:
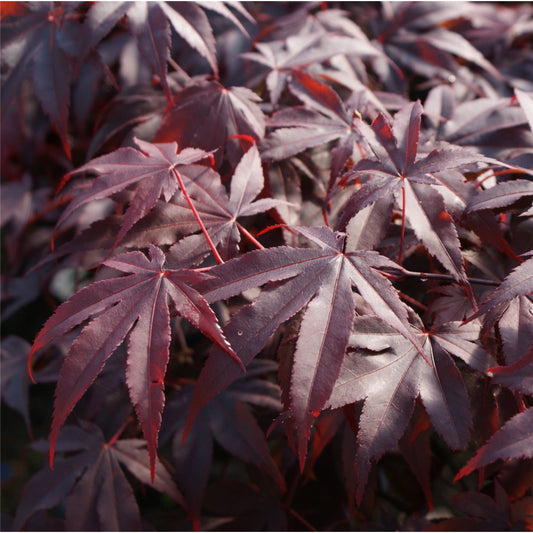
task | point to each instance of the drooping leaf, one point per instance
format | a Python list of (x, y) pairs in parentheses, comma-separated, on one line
[(514, 440), (150, 24), (229, 422), (137, 304), (98, 494)]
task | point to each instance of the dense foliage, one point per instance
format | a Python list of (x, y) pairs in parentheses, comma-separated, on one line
[(267, 266)]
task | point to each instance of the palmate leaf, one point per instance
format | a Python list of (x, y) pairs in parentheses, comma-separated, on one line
[(229, 422), (294, 53), (398, 171), (151, 24), (231, 111), (518, 283), (514, 440), (42, 44), (414, 37), (324, 118), (388, 373), (487, 124), (152, 168), (138, 304), (98, 494), (322, 278), (167, 222), (219, 212)]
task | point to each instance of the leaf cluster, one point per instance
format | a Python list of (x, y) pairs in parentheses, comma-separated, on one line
[(268, 265)]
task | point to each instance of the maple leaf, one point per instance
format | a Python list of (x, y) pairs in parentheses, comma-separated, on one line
[(219, 212), (99, 496), (413, 36), (137, 304), (167, 222), (397, 171), (388, 373), (322, 279), (285, 57), (518, 375), (42, 44), (513, 440), (129, 114), (151, 24), (518, 283), (458, 195), (153, 167), (492, 126), (501, 195), (325, 118), (229, 422), (233, 112)]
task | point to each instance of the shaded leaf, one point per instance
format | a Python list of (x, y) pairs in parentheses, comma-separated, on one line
[(513, 440), (231, 112), (99, 495)]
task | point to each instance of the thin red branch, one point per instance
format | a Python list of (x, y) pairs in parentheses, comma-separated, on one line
[(197, 217)]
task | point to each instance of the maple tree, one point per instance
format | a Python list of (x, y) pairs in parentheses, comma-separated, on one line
[(267, 266)]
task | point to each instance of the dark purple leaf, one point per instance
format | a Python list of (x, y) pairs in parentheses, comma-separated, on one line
[(390, 381), (99, 495), (397, 170), (503, 194), (137, 304), (150, 25), (518, 283), (323, 278), (152, 168), (226, 420), (42, 45), (282, 58), (516, 376), (231, 112), (513, 440)]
